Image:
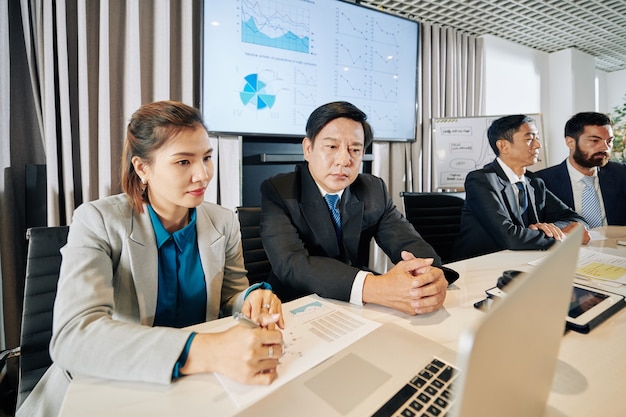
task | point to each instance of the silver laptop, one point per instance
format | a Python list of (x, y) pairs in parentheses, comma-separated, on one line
[(504, 365)]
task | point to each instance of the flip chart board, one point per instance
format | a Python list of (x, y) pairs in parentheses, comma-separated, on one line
[(460, 145)]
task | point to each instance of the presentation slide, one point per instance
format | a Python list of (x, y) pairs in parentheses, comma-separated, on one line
[(267, 64)]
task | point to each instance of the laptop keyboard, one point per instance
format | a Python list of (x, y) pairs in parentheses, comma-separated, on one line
[(427, 394)]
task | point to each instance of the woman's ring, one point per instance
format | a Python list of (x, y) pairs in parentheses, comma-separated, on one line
[(266, 306), (271, 351)]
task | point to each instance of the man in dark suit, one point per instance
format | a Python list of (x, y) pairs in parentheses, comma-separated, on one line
[(319, 247), (507, 207), (589, 137)]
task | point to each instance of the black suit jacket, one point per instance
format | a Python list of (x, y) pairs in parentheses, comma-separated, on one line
[(612, 179), (300, 240), (491, 220)]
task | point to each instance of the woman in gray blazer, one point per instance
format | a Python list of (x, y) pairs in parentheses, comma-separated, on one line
[(140, 267)]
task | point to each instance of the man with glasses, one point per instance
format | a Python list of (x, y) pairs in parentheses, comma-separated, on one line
[(587, 181), (506, 206), (317, 223)]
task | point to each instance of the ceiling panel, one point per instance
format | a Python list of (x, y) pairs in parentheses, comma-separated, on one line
[(597, 28)]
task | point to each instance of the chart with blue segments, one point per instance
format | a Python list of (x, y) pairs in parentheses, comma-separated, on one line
[(254, 93)]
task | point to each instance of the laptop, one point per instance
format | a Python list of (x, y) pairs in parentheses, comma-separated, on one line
[(504, 364)]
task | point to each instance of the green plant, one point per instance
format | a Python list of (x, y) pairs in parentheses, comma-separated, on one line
[(619, 132)]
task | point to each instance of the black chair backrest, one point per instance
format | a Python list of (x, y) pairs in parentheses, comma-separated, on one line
[(437, 217), (43, 263), (255, 259)]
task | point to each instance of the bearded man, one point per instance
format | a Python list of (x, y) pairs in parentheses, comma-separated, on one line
[(587, 181)]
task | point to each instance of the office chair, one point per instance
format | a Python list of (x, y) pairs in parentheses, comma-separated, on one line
[(436, 217), (255, 258), (43, 263)]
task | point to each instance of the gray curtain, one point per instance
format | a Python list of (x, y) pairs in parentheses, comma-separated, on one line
[(450, 85), (72, 72)]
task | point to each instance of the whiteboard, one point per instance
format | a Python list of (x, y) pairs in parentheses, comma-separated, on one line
[(460, 145)]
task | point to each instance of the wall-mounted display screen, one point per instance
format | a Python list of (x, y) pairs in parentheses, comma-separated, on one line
[(267, 64)]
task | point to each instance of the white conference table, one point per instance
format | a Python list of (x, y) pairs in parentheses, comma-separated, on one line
[(588, 380)]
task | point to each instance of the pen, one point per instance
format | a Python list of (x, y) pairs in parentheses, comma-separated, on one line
[(242, 318)]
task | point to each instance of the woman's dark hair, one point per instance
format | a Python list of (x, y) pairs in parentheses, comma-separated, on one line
[(149, 128)]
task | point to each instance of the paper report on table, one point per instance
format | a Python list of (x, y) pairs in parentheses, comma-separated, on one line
[(315, 330), (601, 266)]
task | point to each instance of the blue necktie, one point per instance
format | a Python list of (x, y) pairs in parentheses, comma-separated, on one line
[(331, 202), (591, 203), (523, 201)]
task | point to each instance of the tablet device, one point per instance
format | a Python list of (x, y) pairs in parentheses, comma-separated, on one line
[(590, 307)]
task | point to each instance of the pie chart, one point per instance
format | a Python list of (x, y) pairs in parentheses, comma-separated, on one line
[(254, 93)]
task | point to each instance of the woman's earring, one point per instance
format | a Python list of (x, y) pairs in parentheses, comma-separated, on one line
[(143, 181)]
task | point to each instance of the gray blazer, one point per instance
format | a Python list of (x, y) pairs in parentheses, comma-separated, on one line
[(107, 292)]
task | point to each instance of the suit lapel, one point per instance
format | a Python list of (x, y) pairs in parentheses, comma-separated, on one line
[(509, 195), (211, 258), (532, 207), (608, 186), (316, 214), (143, 261), (564, 184)]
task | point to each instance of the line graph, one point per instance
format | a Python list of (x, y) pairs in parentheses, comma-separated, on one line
[(386, 61), (275, 24), (364, 46), (385, 89), (347, 26), (385, 35), (353, 54), (305, 77), (351, 84)]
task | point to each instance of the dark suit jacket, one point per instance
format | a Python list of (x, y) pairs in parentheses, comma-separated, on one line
[(491, 220), (612, 178), (300, 241)]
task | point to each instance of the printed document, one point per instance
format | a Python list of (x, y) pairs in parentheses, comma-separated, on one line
[(597, 265), (315, 330)]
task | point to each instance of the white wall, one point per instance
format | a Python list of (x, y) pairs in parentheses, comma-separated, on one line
[(616, 90), (601, 93), (519, 79), (515, 78), (572, 89), (516, 82)]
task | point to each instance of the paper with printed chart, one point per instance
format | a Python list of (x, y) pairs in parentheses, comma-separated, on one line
[(315, 330)]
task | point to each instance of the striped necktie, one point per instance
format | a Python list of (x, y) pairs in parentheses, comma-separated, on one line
[(591, 203)]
